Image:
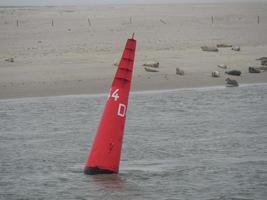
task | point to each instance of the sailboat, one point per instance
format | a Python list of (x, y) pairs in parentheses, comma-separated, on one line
[(105, 153)]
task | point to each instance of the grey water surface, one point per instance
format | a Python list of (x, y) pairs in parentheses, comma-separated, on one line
[(205, 143)]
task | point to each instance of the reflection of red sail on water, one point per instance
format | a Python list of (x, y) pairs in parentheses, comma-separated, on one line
[(104, 157)]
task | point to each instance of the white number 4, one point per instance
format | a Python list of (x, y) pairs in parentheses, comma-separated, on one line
[(115, 95)]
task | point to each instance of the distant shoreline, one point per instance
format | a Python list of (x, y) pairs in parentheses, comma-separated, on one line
[(63, 92), (184, 2), (72, 50), (140, 91)]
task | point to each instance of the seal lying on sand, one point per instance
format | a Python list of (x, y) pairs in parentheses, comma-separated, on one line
[(237, 48), (231, 83), (234, 72), (179, 71), (263, 60), (149, 69), (209, 48), (222, 45), (215, 74), (152, 64), (223, 66), (253, 70)]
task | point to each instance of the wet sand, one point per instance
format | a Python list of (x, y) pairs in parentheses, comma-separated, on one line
[(74, 55)]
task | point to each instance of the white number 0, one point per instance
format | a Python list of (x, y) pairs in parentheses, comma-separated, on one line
[(122, 110)]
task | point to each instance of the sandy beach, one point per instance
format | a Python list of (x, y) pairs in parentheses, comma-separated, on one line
[(72, 50)]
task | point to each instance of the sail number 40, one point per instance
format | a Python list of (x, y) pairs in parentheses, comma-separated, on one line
[(122, 107)]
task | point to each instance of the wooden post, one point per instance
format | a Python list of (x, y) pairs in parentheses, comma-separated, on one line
[(17, 23), (211, 19), (258, 19), (162, 21), (89, 22), (52, 23)]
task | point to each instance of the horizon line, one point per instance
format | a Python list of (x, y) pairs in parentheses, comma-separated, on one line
[(119, 2)]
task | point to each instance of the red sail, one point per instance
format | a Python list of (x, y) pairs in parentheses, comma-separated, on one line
[(105, 153)]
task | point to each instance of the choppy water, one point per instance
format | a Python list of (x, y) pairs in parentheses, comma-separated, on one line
[(208, 143)]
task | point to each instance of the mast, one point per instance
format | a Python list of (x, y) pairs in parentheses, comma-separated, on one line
[(104, 157)]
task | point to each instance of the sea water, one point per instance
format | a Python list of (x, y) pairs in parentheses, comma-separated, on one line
[(205, 143)]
